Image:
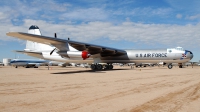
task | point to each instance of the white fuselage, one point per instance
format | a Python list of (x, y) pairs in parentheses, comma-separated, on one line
[(132, 56)]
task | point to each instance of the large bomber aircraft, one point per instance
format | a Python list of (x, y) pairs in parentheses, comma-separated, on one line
[(52, 48)]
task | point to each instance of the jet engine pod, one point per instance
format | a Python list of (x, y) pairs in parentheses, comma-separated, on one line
[(85, 55)]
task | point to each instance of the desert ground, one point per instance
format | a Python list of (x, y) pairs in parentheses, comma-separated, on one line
[(75, 89)]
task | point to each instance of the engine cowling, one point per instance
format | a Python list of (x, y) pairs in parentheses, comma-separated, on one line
[(85, 55), (75, 54)]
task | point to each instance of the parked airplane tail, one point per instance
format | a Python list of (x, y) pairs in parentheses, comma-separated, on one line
[(34, 46), (34, 30)]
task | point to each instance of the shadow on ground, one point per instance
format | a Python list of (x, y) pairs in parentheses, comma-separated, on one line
[(87, 71)]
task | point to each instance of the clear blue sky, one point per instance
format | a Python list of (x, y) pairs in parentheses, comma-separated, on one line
[(127, 24)]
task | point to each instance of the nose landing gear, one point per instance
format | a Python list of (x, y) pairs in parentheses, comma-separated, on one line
[(170, 66)]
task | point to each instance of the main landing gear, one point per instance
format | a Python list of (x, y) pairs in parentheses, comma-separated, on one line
[(170, 66), (100, 67)]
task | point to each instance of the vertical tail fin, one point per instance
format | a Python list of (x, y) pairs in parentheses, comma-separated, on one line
[(34, 30), (34, 46)]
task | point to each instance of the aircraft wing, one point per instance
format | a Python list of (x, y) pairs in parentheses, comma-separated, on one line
[(28, 52), (61, 44)]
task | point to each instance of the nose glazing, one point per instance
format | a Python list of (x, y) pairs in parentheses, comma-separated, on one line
[(190, 54)]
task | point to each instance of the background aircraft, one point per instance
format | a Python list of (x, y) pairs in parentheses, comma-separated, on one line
[(56, 63), (1, 64), (79, 52), (28, 63)]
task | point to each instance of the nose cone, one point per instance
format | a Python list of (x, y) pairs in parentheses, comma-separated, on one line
[(190, 55)]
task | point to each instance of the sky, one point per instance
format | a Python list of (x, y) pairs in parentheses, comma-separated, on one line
[(122, 24)]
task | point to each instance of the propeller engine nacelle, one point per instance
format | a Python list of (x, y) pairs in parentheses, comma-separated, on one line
[(75, 54), (85, 55)]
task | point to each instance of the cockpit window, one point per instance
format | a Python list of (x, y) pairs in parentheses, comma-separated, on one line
[(179, 48), (188, 51)]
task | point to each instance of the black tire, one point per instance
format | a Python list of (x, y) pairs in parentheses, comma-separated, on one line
[(110, 67), (180, 66), (93, 67), (106, 67), (99, 67), (170, 66)]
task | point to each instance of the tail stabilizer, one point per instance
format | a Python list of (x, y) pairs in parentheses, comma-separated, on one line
[(31, 53), (34, 46), (34, 30)]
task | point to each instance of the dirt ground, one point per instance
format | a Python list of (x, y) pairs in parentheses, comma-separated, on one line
[(73, 89)]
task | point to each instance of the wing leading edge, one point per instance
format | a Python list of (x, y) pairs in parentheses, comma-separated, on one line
[(62, 44)]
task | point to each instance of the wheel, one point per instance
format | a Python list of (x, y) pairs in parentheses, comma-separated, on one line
[(170, 66), (110, 67), (180, 66), (106, 67), (99, 67), (16, 66), (93, 66)]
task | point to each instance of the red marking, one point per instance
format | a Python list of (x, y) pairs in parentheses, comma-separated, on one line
[(183, 55), (85, 55)]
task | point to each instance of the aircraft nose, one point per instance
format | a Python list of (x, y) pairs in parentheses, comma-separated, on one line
[(190, 55)]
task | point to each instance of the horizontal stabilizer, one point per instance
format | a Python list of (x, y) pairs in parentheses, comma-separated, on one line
[(34, 54)]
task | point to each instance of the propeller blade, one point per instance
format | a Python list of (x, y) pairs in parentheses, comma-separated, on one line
[(55, 35), (52, 51)]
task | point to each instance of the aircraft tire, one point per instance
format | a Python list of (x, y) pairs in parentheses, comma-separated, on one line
[(180, 66), (106, 67), (110, 67), (170, 66), (93, 66), (99, 67)]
